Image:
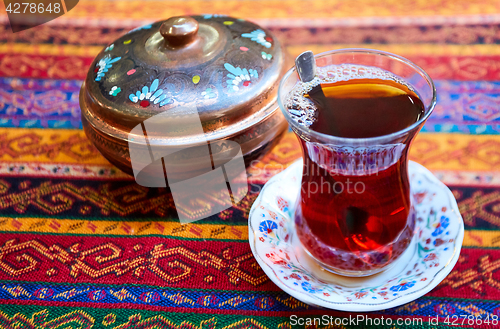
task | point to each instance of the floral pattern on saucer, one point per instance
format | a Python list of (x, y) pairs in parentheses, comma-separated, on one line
[(433, 253)]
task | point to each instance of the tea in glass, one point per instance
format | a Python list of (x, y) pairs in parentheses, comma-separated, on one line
[(355, 214)]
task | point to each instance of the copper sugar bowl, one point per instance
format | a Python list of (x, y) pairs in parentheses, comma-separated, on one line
[(228, 69)]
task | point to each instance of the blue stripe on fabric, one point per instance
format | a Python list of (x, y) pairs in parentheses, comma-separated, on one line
[(468, 107), (218, 300)]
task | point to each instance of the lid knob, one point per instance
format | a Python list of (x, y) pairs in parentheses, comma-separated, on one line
[(179, 31)]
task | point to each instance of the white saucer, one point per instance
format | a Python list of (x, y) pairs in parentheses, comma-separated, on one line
[(430, 258)]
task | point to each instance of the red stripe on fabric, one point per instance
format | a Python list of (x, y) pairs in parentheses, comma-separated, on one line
[(460, 67), (476, 276), (44, 66), (187, 264), (76, 67), (131, 260)]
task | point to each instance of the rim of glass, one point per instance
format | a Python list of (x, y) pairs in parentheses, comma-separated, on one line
[(313, 133)]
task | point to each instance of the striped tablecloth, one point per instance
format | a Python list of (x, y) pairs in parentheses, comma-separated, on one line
[(83, 246)]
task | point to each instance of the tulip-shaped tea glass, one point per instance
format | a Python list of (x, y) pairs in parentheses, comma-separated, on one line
[(355, 215)]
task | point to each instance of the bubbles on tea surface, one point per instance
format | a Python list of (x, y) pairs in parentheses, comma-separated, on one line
[(301, 109), (304, 111)]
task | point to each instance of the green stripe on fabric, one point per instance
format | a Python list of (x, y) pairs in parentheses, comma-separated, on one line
[(32, 316)]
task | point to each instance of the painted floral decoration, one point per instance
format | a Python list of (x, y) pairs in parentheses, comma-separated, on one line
[(259, 36), (104, 65), (403, 286), (239, 76), (149, 95), (441, 226), (267, 227), (276, 259), (282, 204), (266, 56), (115, 90), (360, 294), (419, 197), (430, 257), (282, 233), (309, 288), (208, 93), (110, 47), (431, 260)]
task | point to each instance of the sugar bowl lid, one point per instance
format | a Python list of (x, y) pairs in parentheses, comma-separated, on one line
[(228, 67)]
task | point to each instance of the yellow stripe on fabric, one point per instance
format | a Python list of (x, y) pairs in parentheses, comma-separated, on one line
[(132, 228), (473, 238), (400, 49), (47, 145), (481, 238), (433, 150), (283, 9), (457, 151), (50, 49)]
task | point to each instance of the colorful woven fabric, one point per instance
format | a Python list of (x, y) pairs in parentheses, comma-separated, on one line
[(83, 246)]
